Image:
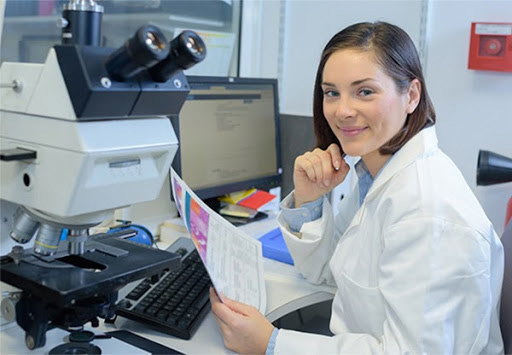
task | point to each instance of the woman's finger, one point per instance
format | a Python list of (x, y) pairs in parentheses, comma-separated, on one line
[(238, 307), (221, 310), (306, 164), (336, 156)]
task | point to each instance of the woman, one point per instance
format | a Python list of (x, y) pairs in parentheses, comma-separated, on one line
[(417, 265)]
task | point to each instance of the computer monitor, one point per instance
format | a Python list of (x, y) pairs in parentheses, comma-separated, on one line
[(228, 131)]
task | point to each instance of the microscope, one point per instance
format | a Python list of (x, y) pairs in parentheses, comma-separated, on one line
[(81, 135)]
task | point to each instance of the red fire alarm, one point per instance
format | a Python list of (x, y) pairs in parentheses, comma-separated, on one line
[(490, 47)]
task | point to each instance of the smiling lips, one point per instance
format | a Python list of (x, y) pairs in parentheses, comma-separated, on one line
[(352, 131)]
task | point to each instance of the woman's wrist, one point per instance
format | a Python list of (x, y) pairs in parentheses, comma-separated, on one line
[(299, 201), (272, 342)]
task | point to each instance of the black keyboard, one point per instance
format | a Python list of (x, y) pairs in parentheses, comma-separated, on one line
[(174, 302)]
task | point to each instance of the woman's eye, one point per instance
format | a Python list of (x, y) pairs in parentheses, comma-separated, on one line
[(365, 92), (330, 93)]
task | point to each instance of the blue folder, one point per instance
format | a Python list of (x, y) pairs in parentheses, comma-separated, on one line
[(274, 247)]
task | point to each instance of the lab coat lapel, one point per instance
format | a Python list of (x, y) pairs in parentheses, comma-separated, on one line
[(422, 143)]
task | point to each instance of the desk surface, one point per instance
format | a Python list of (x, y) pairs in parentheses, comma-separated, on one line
[(286, 290)]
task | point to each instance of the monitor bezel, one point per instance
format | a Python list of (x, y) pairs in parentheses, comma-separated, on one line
[(266, 182)]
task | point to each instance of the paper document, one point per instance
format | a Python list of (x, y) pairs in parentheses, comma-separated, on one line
[(232, 258)]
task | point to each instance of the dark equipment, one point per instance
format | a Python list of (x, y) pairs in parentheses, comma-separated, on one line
[(493, 168)]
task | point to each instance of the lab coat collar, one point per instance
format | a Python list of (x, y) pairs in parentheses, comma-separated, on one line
[(423, 143)]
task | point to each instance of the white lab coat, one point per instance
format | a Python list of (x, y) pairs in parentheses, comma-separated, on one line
[(418, 267)]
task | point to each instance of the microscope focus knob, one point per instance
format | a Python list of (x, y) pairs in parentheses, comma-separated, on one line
[(8, 306)]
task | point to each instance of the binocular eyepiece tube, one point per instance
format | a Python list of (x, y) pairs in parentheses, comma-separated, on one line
[(149, 50), (146, 48), (186, 50)]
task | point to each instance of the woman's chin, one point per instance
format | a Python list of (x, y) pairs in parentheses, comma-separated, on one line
[(350, 152)]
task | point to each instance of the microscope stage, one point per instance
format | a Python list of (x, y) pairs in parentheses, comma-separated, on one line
[(109, 264)]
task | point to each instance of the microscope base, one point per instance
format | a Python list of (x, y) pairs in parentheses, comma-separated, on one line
[(68, 291)]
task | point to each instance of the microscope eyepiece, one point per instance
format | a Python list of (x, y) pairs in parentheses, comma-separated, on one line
[(145, 49), (190, 49), (186, 50)]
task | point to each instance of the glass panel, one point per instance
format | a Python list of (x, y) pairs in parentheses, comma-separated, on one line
[(30, 27)]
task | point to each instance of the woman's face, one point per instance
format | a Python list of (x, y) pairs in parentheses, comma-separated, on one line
[(362, 104)]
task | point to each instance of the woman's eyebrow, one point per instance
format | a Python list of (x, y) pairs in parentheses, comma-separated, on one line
[(357, 82), (328, 84)]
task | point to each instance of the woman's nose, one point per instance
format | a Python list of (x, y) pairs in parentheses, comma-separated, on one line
[(345, 108)]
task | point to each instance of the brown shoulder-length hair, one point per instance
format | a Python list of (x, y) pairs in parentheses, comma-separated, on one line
[(395, 52)]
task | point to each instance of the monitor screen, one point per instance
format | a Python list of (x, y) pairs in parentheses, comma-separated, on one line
[(228, 132)]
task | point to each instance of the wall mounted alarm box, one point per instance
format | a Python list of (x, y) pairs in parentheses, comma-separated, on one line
[(490, 47)]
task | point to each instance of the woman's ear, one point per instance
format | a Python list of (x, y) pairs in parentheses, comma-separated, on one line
[(414, 95)]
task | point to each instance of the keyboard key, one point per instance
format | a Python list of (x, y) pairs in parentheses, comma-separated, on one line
[(139, 290)]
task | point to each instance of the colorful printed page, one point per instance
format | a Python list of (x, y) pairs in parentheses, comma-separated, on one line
[(232, 258)]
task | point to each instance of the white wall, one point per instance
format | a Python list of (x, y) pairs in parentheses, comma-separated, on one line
[(260, 40), (474, 110)]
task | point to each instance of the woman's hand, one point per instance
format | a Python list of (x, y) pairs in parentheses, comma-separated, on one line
[(318, 172), (244, 329)]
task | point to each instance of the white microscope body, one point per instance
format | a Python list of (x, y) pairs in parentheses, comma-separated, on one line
[(82, 170)]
